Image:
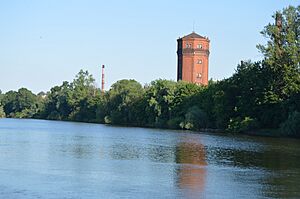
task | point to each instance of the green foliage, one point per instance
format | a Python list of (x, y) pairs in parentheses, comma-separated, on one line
[(238, 125), (9, 102), (291, 127), (121, 99), (107, 120), (23, 103), (2, 113), (174, 123), (78, 100), (1, 96), (57, 104), (182, 98), (195, 119), (82, 97), (159, 99), (282, 54)]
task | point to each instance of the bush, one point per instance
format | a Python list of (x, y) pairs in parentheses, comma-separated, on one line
[(54, 115), (107, 120), (195, 118), (25, 113), (174, 123), (291, 127), (2, 113), (237, 125)]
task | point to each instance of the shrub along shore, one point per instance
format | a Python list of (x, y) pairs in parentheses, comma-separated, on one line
[(259, 95)]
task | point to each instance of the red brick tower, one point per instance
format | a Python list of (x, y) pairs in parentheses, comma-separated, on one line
[(193, 53)]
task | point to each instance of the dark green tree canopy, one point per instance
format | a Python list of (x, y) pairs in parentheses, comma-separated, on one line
[(282, 54)]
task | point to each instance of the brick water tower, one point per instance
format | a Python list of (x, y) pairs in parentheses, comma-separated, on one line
[(193, 53)]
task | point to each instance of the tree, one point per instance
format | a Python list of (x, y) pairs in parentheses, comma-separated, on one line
[(1, 96), (159, 96), (2, 113), (195, 119), (282, 53), (57, 106), (182, 93), (82, 97), (182, 102), (9, 103), (291, 126), (76, 101), (21, 104), (121, 99), (26, 100)]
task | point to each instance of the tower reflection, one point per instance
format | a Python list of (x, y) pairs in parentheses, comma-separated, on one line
[(191, 175)]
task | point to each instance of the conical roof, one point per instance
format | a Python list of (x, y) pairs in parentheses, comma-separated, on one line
[(193, 35)]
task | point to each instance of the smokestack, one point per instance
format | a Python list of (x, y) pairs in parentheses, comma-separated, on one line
[(102, 79), (278, 23), (278, 20)]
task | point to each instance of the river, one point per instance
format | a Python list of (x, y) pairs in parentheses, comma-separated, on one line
[(52, 159)]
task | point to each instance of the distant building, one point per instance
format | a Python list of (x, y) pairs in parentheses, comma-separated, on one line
[(193, 53)]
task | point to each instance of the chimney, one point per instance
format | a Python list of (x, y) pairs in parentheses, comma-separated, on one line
[(102, 79), (278, 20), (278, 23)]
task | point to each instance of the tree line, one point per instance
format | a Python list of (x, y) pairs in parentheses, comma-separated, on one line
[(259, 95)]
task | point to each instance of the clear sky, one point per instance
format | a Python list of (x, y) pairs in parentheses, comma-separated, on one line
[(43, 43)]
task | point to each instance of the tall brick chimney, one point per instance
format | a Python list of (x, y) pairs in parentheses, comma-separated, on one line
[(102, 79)]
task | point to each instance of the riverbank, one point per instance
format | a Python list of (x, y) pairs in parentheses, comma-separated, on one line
[(275, 133)]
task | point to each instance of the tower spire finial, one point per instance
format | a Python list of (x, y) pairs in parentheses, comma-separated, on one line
[(193, 25)]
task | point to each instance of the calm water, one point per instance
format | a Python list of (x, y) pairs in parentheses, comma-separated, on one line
[(49, 159)]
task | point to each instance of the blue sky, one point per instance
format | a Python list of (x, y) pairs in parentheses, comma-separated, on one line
[(44, 43)]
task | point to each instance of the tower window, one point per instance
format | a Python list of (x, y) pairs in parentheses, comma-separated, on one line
[(199, 46), (199, 61), (188, 45), (199, 75)]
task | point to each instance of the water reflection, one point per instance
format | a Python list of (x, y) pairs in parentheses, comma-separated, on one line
[(284, 165), (72, 160), (275, 164), (192, 172), (123, 151)]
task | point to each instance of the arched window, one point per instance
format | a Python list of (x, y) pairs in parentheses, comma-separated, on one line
[(188, 45)]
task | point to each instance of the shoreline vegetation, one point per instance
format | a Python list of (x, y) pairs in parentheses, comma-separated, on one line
[(259, 96)]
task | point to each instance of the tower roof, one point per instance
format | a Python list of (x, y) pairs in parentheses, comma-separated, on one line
[(193, 35)]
